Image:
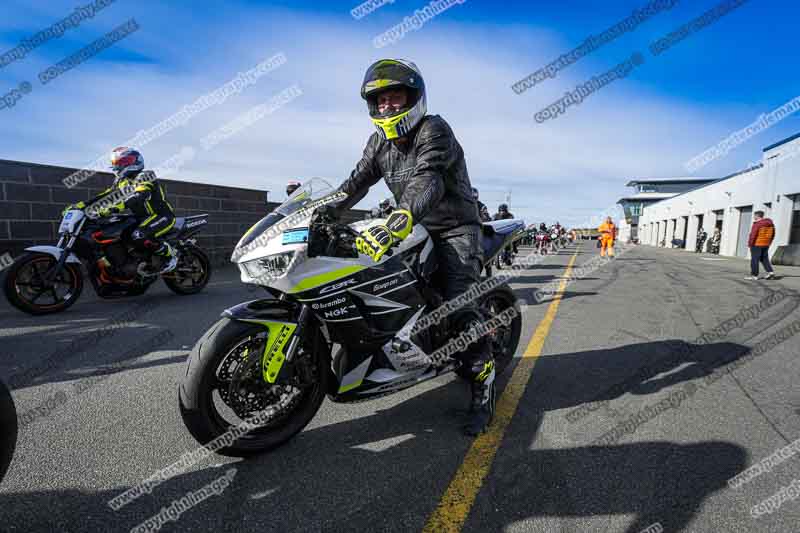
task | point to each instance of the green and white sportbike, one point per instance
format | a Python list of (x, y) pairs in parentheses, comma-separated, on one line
[(335, 323)]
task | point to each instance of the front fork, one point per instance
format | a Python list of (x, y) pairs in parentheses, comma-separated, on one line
[(51, 274), (277, 350)]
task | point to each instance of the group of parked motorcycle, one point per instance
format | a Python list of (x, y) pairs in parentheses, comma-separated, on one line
[(319, 292)]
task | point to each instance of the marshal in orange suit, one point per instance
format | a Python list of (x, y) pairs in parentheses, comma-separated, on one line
[(608, 232)]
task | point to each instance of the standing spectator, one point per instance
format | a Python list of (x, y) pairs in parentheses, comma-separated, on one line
[(714, 242), (701, 238), (608, 233), (761, 235)]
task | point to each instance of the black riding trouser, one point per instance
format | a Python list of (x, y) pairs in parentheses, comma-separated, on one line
[(460, 257), (151, 229)]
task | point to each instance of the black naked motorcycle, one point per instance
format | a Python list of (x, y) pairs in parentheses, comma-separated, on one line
[(49, 279), (275, 357), (8, 429)]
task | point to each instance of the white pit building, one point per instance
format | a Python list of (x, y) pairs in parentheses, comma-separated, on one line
[(772, 186)]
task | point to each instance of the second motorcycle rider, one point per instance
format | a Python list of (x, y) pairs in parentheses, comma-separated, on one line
[(423, 165)]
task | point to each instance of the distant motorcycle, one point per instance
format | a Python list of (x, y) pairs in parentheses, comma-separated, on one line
[(8, 429), (554, 241), (542, 242), (102, 245)]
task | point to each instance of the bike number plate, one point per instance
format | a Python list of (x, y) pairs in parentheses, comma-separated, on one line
[(295, 236), (70, 221)]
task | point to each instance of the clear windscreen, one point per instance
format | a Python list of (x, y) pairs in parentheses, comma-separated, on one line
[(314, 189), (310, 192)]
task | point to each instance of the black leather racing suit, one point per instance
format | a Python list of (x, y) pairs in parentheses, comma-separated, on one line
[(144, 195), (428, 177)]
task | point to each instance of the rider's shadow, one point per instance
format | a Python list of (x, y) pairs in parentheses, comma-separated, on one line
[(386, 470), (571, 379)]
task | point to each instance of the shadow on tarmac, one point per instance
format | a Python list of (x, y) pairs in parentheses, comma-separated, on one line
[(321, 481), (406, 456), (572, 379)]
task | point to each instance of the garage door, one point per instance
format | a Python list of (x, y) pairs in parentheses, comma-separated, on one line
[(745, 221)]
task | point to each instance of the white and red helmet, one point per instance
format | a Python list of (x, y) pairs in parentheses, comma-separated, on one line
[(126, 162)]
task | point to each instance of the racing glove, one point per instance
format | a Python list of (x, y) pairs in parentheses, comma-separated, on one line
[(377, 240), (107, 211)]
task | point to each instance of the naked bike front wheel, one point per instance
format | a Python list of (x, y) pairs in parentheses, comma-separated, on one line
[(26, 286)]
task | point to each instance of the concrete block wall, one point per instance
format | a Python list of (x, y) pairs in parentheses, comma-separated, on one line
[(32, 197)]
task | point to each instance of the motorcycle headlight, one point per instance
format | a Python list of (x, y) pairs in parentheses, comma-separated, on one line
[(272, 266)]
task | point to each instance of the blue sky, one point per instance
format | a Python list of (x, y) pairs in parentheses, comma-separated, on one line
[(651, 123)]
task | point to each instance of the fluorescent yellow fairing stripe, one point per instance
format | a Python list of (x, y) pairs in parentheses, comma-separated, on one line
[(351, 386), (274, 355), (324, 279)]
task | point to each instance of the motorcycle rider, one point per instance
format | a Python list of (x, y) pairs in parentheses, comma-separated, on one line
[(423, 165), (143, 194), (483, 211), (502, 213)]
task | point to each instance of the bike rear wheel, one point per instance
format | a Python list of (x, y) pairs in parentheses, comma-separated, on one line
[(504, 340), (192, 273)]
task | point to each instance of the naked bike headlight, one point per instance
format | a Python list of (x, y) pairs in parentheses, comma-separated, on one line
[(270, 267)]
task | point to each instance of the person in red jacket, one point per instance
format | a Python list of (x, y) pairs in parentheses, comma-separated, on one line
[(761, 235)]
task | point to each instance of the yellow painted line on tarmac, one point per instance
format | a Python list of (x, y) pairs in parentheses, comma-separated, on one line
[(454, 508)]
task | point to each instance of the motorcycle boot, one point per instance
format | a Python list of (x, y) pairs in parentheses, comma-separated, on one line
[(484, 396), (167, 258)]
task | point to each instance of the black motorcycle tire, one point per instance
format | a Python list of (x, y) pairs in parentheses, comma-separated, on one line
[(505, 299), (9, 287), (176, 287), (8, 429), (197, 404)]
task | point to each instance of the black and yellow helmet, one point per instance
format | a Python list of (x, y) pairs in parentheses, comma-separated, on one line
[(386, 74)]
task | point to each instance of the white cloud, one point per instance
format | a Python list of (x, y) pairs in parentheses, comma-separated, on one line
[(556, 170)]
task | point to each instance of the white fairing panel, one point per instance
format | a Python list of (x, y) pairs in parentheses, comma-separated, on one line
[(71, 220), (303, 267), (55, 251)]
